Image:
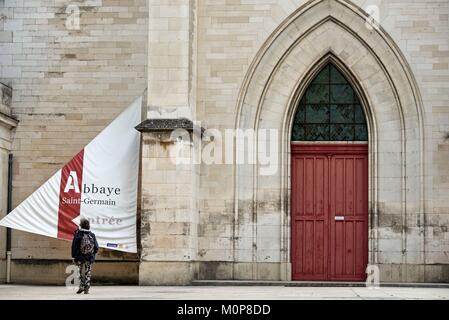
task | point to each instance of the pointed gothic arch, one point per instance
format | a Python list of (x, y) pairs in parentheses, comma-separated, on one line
[(319, 32), (330, 110)]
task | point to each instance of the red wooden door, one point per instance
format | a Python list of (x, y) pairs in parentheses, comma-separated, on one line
[(329, 212), (310, 216)]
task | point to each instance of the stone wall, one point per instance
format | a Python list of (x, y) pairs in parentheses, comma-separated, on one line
[(169, 210), (230, 35), (68, 83)]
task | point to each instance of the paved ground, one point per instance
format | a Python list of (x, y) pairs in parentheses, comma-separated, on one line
[(220, 293)]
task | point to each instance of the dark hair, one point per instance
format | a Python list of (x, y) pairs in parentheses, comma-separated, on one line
[(85, 224)]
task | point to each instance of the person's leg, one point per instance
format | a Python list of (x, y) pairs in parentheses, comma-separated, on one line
[(87, 275), (82, 278)]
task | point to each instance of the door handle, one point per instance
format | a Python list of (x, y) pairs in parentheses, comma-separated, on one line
[(339, 218)]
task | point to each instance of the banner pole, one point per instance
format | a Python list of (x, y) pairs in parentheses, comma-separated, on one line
[(8, 230)]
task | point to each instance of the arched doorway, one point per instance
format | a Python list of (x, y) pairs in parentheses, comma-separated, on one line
[(329, 172), (316, 33)]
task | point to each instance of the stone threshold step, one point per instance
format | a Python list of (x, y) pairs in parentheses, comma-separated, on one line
[(312, 284)]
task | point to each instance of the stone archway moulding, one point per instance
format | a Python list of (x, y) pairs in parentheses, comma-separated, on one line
[(318, 32)]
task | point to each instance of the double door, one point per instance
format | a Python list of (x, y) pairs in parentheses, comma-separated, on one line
[(329, 212)]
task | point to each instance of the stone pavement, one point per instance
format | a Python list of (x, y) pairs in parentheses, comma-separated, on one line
[(219, 293)]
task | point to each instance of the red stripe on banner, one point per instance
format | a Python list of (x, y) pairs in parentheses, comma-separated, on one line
[(70, 196)]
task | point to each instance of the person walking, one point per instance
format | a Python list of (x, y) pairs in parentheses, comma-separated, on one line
[(84, 250)]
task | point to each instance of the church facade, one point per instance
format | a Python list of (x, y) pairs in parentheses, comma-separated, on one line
[(281, 140)]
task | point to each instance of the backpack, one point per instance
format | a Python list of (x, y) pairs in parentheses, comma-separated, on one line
[(87, 244)]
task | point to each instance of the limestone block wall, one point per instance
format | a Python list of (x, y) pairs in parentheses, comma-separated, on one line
[(169, 216), (68, 83), (169, 55), (229, 36)]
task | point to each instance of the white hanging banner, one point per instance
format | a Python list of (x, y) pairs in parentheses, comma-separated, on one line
[(99, 184)]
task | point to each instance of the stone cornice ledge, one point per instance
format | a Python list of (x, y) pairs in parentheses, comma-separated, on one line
[(157, 125), (8, 121)]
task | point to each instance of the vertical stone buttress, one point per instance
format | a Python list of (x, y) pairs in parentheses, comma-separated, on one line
[(169, 215)]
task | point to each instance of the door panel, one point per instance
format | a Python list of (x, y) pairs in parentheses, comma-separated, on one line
[(329, 212), (309, 217), (349, 216)]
